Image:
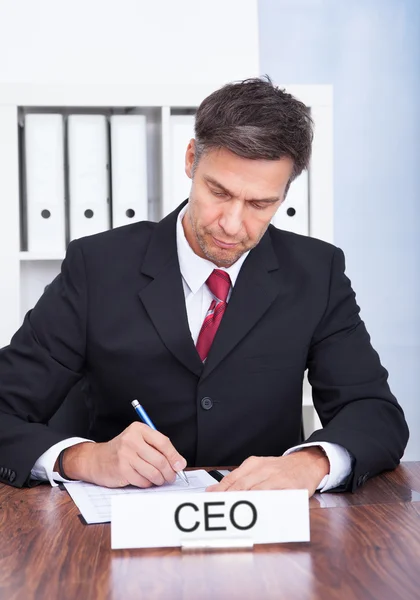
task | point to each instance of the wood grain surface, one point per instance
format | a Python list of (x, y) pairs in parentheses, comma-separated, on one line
[(363, 546)]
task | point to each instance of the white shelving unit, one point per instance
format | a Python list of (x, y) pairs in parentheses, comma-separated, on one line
[(25, 274)]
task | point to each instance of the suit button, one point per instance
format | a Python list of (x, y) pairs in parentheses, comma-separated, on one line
[(12, 477), (207, 403)]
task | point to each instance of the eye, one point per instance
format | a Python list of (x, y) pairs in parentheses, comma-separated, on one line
[(259, 206), (218, 194)]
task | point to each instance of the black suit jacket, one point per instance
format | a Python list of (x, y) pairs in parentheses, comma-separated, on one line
[(116, 315)]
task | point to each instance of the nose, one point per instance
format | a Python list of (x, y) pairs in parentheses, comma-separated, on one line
[(231, 219)]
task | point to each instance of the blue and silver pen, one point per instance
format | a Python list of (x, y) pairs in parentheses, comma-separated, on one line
[(147, 420)]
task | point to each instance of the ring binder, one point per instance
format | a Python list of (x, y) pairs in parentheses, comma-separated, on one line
[(44, 157), (88, 175), (129, 169)]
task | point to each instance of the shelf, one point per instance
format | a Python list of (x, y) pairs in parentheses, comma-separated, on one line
[(41, 256)]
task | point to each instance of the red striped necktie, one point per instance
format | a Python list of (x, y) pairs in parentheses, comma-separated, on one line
[(219, 285)]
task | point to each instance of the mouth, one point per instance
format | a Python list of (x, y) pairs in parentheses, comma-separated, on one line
[(224, 244)]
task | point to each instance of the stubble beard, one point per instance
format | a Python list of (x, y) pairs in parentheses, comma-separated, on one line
[(217, 257)]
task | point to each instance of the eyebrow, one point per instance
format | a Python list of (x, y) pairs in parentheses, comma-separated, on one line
[(212, 181)]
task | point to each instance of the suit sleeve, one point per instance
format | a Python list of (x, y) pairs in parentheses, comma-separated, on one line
[(350, 388), (43, 362)]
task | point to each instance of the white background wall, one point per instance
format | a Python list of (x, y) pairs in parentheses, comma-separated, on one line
[(128, 41), (370, 51)]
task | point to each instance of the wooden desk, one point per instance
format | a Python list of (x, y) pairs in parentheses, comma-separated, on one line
[(364, 546)]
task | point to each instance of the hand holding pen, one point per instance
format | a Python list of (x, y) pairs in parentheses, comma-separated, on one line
[(146, 419), (139, 456)]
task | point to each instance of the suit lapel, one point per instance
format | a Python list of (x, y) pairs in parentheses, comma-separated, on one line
[(253, 294), (163, 297)]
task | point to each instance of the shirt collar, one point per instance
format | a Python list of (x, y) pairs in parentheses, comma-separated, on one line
[(194, 269)]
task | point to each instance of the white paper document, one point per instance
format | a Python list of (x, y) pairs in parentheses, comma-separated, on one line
[(94, 502)]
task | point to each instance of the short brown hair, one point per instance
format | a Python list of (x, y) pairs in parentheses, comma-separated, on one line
[(255, 119)]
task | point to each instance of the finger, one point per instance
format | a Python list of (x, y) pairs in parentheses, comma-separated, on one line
[(245, 483), (159, 461), (247, 467), (132, 477), (223, 485), (276, 483), (270, 484), (213, 488), (164, 445), (229, 480), (146, 470)]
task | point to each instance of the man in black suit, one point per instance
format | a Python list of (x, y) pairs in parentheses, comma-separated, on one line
[(209, 318)]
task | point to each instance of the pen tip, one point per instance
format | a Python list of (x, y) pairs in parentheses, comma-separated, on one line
[(183, 477)]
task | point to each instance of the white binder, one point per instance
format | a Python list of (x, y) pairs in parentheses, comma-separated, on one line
[(181, 132), (88, 175), (44, 157), (129, 169), (293, 214)]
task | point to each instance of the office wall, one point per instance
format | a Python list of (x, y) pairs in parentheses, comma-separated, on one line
[(127, 41), (370, 51)]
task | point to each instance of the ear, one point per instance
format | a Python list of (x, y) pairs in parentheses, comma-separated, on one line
[(189, 158)]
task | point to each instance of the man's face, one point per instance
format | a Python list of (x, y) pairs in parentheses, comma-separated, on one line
[(232, 202)]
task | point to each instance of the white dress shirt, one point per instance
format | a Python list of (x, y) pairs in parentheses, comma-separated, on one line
[(195, 271)]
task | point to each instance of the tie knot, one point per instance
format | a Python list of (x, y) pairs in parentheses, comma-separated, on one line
[(219, 284)]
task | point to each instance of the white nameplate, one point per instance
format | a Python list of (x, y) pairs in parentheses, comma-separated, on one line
[(209, 519)]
